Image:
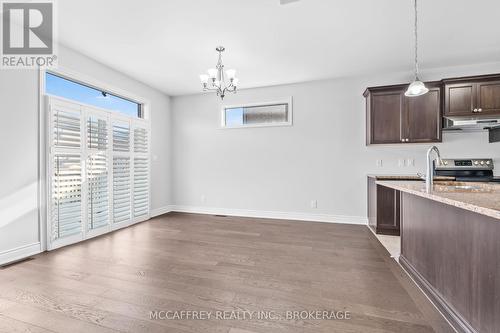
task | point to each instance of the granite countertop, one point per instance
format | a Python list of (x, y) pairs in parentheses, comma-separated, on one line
[(406, 177), (481, 198)]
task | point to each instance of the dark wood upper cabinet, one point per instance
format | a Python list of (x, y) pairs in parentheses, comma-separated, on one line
[(472, 96), (391, 117), (488, 97), (460, 98), (423, 117), (394, 118), (386, 116)]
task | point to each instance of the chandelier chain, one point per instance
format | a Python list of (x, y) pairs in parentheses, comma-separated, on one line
[(416, 39)]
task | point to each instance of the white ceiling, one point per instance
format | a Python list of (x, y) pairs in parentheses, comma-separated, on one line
[(168, 43)]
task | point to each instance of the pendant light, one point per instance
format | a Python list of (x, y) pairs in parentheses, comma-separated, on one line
[(417, 87)]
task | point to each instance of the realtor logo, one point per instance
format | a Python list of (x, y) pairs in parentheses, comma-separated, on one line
[(27, 34)]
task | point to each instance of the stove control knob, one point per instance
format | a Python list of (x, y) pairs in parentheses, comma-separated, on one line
[(445, 162), (476, 162), (482, 162), (488, 162)]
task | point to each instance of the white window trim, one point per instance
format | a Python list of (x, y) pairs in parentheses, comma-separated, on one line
[(288, 101), (43, 141)]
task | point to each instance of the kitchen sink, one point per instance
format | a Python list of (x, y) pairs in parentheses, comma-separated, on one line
[(450, 186), (466, 187)]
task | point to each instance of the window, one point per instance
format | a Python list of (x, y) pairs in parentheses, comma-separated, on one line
[(59, 86), (258, 115)]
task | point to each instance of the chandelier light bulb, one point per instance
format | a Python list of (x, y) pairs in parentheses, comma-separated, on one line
[(231, 74), (212, 73), (235, 82), (204, 78)]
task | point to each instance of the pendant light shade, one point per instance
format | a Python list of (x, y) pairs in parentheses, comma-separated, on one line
[(417, 87)]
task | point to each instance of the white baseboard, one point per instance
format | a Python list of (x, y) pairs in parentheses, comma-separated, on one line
[(19, 253), (272, 214), (160, 211)]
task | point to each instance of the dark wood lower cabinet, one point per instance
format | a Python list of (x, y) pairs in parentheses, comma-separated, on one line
[(453, 254), (383, 208)]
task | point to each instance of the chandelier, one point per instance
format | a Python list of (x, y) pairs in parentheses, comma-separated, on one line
[(216, 78)]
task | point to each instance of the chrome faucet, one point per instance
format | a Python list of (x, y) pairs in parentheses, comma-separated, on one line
[(429, 177)]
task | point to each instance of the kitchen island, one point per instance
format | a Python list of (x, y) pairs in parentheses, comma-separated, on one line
[(450, 245), (384, 203)]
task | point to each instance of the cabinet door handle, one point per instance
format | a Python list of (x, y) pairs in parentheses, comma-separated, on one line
[(475, 110), (479, 110)]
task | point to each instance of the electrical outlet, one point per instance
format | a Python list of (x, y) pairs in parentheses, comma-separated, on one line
[(410, 162), (401, 163), (314, 204), (379, 163)]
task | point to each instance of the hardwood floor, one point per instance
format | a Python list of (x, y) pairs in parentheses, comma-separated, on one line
[(208, 263)]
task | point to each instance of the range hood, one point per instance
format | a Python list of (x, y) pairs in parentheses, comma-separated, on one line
[(469, 124), (494, 134)]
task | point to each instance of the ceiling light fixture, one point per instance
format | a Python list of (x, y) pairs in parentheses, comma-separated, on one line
[(216, 79), (417, 87)]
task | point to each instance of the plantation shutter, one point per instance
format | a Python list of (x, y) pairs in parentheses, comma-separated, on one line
[(121, 189), (65, 171), (98, 171), (121, 137), (97, 197), (141, 190), (66, 127), (66, 198), (141, 170), (140, 140)]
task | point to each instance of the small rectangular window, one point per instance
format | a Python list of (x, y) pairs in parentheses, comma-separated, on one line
[(59, 86), (257, 115)]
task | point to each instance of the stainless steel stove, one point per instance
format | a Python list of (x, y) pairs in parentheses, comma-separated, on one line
[(467, 170)]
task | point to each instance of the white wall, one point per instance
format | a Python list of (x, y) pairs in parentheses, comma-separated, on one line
[(322, 157), (19, 95), (19, 161)]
